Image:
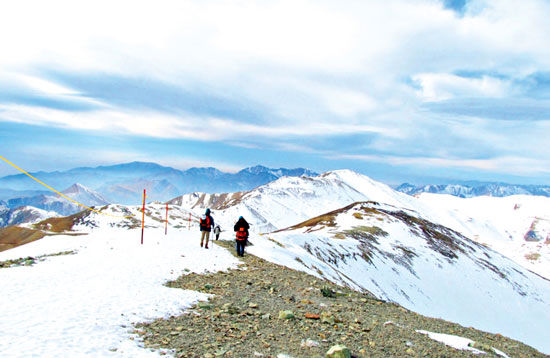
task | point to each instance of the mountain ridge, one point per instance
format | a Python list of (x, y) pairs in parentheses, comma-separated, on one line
[(118, 183), (473, 190)]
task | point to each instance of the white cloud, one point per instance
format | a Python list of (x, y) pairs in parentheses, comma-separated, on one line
[(162, 125), (315, 68), (505, 164), (443, 86), (42, 86)]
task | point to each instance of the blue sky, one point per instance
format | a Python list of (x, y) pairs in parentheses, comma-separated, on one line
[(401, 90)]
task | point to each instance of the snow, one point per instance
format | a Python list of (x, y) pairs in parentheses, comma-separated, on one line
[(500, 223), (458, 342), (85, 304), (452, 341), (24, 216), (84, 195)]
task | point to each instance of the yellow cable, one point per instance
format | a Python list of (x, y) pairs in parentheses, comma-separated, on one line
[(63, 195)]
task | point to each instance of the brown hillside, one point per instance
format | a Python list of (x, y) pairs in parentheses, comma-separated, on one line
[(13, 236)]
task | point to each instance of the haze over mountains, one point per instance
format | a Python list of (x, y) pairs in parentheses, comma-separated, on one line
[(124, 183)]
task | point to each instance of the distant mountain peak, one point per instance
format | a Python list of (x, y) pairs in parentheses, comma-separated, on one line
[(76, 188), (277, 173), (85, 195), (203, 170)]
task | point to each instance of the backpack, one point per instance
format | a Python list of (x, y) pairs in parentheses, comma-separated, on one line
[(205, 222), (241, 234)]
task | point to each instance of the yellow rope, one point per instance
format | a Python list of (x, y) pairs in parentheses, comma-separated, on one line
[(63, 195)]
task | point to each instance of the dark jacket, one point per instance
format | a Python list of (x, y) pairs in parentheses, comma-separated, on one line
[(241, 223)]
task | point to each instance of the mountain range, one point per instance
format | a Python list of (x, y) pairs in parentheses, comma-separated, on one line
[(124, 183), (478, 189)]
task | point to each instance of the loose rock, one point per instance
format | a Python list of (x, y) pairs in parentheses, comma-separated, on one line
[(338, 351)]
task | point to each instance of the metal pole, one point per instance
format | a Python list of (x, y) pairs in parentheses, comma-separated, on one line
[(143, 217), (166, 227)]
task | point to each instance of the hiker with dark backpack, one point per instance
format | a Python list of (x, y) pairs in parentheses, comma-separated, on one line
[(206, 224), (241, 228), (217, 231)]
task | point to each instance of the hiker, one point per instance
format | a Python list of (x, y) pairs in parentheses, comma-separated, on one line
[(241, 228), (206, 223), (217, 231)]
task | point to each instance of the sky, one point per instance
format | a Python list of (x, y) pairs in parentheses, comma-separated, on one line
[(419, 91)]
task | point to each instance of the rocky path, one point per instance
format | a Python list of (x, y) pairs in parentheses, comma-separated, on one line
[(267, 310)]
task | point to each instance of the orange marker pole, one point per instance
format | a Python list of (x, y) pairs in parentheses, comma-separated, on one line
[(189, 222), (166, 226), (143, 217)]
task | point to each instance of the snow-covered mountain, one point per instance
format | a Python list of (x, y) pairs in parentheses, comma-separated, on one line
[(59, 205), (80, 193), (520, 234), (428, 268), (517, 226), (289, 200), (23, 215), (481, 189)]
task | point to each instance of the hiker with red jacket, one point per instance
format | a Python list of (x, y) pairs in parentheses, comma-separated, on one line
[(241, 228), (206, 224)]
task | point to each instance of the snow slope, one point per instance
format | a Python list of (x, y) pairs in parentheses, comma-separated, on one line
[(516, 226), (85, 304), (424, 267), (23, 215)]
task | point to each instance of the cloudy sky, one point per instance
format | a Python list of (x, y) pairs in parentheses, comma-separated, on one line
[(400, 90)]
